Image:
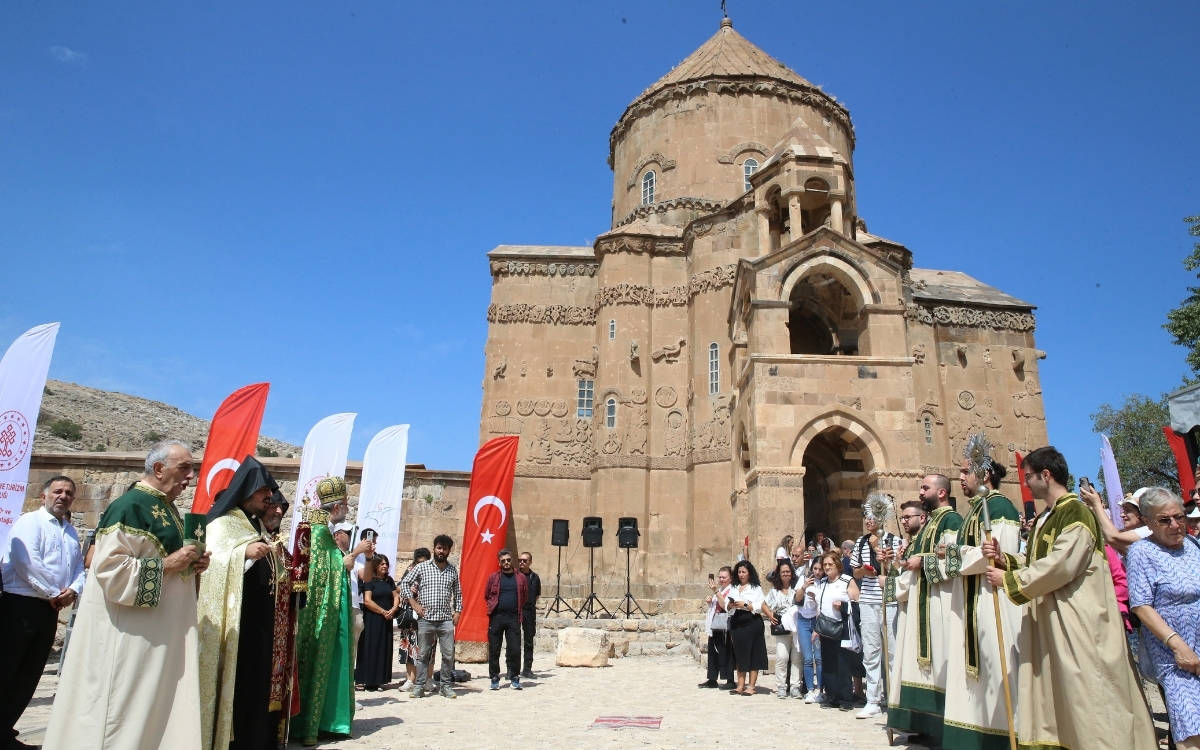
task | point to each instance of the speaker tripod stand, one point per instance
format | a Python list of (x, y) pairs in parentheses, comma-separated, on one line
[(559, 603), (592, 603), (629, 602)]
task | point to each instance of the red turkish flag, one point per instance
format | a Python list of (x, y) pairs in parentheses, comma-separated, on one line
[(1026, 493), (232, 436), (1187, 480), (489, 511)]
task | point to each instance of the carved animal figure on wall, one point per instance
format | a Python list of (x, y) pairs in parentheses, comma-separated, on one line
[(500, 367), (669, 353), (586, 368)]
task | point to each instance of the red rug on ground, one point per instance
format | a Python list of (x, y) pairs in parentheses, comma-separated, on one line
[(619, 722)]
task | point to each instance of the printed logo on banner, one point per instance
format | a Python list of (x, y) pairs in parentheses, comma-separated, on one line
[(310, 490), (14, 439)]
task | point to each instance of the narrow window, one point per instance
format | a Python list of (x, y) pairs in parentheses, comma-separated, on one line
[(648, 188), (584, 400), (928, 430), (610, 413), (749, 167), (714, 368), (612, 330)]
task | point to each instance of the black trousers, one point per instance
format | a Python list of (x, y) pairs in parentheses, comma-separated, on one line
[(528, 630), (720, 656), (835, 671), (504, 625), (27, 627)]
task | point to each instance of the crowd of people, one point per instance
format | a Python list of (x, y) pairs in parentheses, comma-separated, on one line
[(975, 627), (213, 632), (970, 628)]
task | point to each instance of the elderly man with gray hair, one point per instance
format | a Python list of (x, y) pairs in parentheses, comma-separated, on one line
[(133, 672)]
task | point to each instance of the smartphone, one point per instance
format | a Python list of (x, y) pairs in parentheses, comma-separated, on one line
[(1085, 482), (1030, 512), (711, 578)]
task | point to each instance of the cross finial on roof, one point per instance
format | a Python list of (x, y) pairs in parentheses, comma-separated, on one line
[(724, 13)]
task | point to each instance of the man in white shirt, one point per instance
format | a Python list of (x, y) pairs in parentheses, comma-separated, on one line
[(42, 571)]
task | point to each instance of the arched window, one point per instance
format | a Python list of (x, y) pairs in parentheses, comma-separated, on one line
[(648, 188), (612, 330), (928, 430), (749, 167), (610, 413), (714, 368)]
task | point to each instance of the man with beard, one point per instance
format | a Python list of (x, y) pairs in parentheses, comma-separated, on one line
[(975, 716), (504, 594), (237, 614), (438, 603), (42, 574), (133, 672), (1076, 686), (325, 627), (916, 697)]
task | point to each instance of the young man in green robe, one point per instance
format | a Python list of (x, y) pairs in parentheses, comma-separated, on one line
[(325, 628)]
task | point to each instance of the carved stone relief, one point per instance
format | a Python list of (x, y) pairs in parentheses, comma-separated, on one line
[(669, 353), (966, 400), (552, 314), (559, 408), (634, 353), (557, 442), (715, 432), (637, 395), (638, 432), (918, 354), (1028, 405), (665, 396), (523, 268), (676, 436), (970, 317), (499, 369), (586, 368), (541, 407), (525, 407), (503, 408), (854, 402)]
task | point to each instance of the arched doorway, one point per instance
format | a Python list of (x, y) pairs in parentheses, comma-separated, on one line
[(837, 477)]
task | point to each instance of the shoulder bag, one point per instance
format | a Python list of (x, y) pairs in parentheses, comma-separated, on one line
[(826, 626), (720, 621)]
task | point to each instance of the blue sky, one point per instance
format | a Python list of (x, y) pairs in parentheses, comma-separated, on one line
[(213, 194)]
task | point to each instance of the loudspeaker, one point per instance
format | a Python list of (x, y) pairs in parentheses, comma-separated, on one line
[(627, 533), (593, 531), (559, 532)]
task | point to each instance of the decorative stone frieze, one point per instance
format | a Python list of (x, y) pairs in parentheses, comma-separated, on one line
[(557, 268), (971, 317), (741, 148), (675, 296), (552, 314), (707, 205)]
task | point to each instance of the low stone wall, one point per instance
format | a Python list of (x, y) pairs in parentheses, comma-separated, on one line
[(646, 637), (434, 501)]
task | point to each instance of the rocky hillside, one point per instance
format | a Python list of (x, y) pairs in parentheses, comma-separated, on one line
[(78, 418)]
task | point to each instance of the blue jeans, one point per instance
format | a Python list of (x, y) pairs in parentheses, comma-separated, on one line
[(810, 652), (441, 632)]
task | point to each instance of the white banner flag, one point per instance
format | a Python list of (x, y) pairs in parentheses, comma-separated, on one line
[(22, 380), (383, 488), (324, 455)]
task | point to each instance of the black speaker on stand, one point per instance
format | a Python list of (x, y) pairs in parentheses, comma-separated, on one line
[(593, 537), (559, 535), (627, 539)]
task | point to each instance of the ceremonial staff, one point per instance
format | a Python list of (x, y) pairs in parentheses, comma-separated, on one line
[(987, 535), (880, 505)]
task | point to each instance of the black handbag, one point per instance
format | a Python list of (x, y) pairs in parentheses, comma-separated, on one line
[(826, 626), (406, 617), (780, 630)]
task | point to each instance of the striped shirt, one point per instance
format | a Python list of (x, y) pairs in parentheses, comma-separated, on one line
[(869, 591)]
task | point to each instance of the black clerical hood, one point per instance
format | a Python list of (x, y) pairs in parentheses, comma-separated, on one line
[(250, 477)]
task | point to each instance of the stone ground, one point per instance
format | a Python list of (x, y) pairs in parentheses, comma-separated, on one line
[(557, 709)]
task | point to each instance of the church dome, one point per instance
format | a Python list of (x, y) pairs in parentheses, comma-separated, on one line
[(694, 129)]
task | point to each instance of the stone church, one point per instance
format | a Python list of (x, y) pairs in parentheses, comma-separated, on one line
[(738, 357)]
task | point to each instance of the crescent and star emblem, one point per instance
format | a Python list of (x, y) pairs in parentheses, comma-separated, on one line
[(486, 535), (225, 463)]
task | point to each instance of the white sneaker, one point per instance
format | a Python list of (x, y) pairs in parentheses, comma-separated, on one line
[(796, 692), (814, 696), (871, 709)]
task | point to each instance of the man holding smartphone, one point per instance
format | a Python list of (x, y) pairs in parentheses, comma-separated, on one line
[(720, 656)]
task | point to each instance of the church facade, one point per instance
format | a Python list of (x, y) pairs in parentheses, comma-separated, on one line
[(737, 357)]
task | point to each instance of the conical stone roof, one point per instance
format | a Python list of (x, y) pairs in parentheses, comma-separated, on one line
[(727, 54), (731, 62)]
